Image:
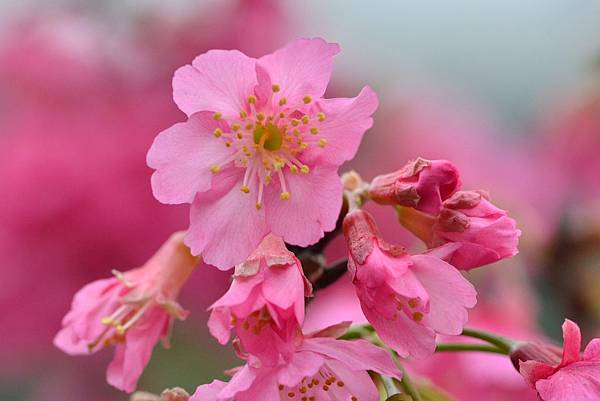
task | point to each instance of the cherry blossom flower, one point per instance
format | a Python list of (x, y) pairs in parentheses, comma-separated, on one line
[(268, 291), (468, 232), (574, 377), (132, 311), (421, 184), (260, 150), (407, 298), (315, 367)]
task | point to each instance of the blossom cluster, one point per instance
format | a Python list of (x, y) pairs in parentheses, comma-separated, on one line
[(257, 160)]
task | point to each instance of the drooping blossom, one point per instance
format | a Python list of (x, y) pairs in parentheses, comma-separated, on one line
[(407, 298), (421, 184), (268, 291), (468, 232), (572, 377), (260, 150), (310, 367), (133, 311)]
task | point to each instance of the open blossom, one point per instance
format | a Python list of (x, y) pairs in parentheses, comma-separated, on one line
[(574, 377), (421, 184), (468, 232), (132, 311), (313, 367), (266, 299), (260, 150), (407, 298)]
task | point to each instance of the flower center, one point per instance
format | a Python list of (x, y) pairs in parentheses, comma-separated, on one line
[(324, 385), (269, 140)]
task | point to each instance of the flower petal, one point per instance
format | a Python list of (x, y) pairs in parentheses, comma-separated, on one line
[(284, 287), (303, 364), (302, 68), (209, 392), (449, 294), (592, 351), (225, 226), (356, 354), (217, 81), (571, 342), (577, 382), (357, 383), (313, 207), (344, 126), (182, 156)]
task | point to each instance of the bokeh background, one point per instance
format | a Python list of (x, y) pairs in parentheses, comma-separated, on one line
[(509, 91)]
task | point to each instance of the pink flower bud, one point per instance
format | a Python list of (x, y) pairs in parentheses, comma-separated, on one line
[(421, 184)]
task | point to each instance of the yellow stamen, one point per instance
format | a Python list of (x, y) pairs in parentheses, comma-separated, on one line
[(243, 114), (276, 88), (218, 132), (417, 316), (284, 196), (282, 101), (305, 169), (215, 168), (217, 116), (235, 127), (252, 99), (245, 189), (321, 116), (305, 119), (314, 130), (307, 99), (322, 142)]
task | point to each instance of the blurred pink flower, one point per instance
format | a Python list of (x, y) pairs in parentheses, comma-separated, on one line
[(132, 311), (468, 232), (575, 377), (407, 298), (272, 126), (317, 366), (268, 290), (421, 184)]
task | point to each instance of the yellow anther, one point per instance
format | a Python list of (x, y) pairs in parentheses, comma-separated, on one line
[(417, 316), (268, 179), (248, 154), (276, 88), (305, 169), (245, 161), (240, 135), (245, 189), (295, 122), (322, 142), (413, 302), (314, 130), (218, 132), (217, 116), (303, 146), (284, 195), (228, 144), (260, 116), (120, 329), (294, 169), (258, 205), (243, 114), (245, 148), (321, 116), (107, 320), (282, 115), (307, 99), (305, 119), (215, 168), (252, 99), (236, 127), (282, 101), (249, 126), (296, 131)]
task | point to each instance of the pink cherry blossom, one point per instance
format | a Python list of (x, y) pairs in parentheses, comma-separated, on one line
[(421, 184), (574, 377), (260, 150), (468, 232), (133, 311), (407, 298), (316, 367), (268, 291)]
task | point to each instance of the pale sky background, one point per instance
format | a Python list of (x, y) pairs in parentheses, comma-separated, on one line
[(514, 57)]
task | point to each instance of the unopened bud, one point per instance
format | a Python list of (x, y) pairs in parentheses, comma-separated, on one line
[(174, 394)]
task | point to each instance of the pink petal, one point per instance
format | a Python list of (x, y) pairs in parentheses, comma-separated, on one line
[(313, 207), (571, 342), (217, 81), (577, 382), (209, 392), (284, 287), (449, 293), (402, 334), (357, 354), (132, 357), (241, 381), (219, 324), (592, 351), (225, 226), (302, 68), (264, 388), (465, 255), (344, 126), (182, 156), (357, 383), (532, 371), (303, 364)]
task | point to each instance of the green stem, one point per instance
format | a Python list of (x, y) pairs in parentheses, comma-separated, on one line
[(459, 347), (502, 343), (407, 384)]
